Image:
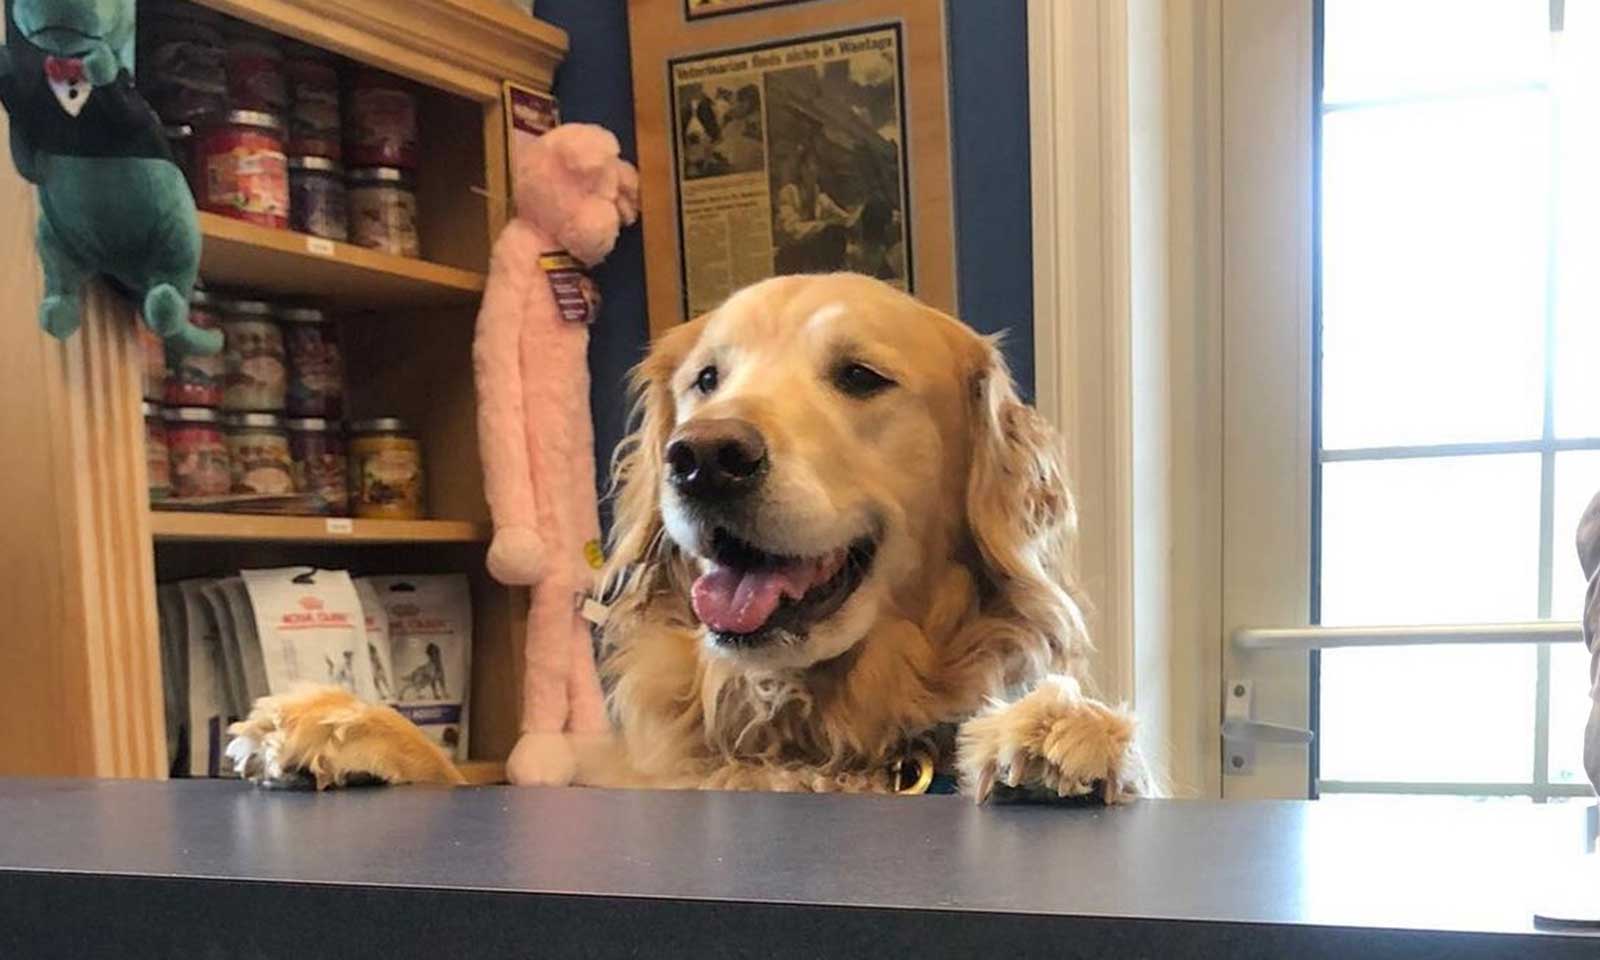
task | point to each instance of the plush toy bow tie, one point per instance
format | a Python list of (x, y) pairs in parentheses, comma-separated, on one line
[(62, 70)]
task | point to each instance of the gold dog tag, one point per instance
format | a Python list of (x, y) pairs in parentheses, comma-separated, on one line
[(923, 778)]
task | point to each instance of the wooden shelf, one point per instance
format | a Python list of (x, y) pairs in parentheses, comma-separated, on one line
[(178, 527), (482, 773), (466, 46), (285, 263)]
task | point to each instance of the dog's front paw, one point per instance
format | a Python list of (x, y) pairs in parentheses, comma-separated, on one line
[(335, 739), (1056, 740)]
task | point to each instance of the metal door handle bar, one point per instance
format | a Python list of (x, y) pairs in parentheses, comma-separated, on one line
[(1241, 730), (1306, 639)]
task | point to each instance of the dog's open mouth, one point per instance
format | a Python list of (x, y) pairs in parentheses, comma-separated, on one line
[(749, 596)]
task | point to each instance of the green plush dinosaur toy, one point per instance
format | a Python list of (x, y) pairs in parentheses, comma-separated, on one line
[(113, 200)]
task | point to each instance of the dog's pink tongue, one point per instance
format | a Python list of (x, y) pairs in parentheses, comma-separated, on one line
[(733, 601)]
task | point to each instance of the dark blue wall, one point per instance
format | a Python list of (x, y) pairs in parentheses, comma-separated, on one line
[(595, 85), (988, 52)]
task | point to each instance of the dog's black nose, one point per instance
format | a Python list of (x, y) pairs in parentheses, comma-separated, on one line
[(716, 459)]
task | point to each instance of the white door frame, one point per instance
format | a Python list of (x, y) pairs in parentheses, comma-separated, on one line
[(1126, 119), (1268, 405)]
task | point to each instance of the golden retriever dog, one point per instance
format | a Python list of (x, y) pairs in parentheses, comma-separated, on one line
[(838, 563)]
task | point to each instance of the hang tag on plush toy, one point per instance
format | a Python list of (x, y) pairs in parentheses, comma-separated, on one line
[(577, 295)]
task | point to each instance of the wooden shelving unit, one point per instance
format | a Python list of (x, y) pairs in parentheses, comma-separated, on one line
[(183, 527), (83, 550), (284, 263)]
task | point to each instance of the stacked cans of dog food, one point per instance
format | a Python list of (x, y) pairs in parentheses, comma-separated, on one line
[(282, 134), (227, 642)]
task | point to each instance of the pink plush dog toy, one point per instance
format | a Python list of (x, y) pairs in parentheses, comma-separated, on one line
[(575, 194)]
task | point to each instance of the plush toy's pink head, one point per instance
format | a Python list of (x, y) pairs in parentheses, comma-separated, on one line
[(575, 186)]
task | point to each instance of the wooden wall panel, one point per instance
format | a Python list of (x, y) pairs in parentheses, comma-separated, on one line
[(75, 554)]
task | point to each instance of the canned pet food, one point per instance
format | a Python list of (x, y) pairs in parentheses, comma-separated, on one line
[(199, 455), (242, 168), (258, 450), (383, 211), (196, 381), (316, 368), (317, 201), (153, 354), (380, 122), (255, 358), (181, 58), (314, 124), (320, 464), (156, 455), (256, 79), (385, 470)]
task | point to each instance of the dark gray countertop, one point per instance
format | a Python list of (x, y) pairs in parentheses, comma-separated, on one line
[(635, 867)]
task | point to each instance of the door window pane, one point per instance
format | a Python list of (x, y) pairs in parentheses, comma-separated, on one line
[(1577, 394), (1380, 49), (1434, 287), (1577, 481), (1569, 711), (1449, 714), (1437, 540)]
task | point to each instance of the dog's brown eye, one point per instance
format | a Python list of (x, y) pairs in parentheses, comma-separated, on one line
[(706, 382), (860, 380)]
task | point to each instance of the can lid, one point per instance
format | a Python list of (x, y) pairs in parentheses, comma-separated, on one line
[(302, 315), (268, 420), (190, 415), (254, 308), (313, 425), (250, 118), (316, 165), (380, 175), (380, 425), (149, 409)]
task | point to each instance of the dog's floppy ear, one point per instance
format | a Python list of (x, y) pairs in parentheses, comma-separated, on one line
[(636, 536), (1020, 510)]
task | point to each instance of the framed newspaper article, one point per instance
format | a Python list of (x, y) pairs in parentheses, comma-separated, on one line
[(698, 9), (807, 138), (789, 157)]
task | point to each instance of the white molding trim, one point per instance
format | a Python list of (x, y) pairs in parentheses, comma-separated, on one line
[(1079, 120), (1125, 107)]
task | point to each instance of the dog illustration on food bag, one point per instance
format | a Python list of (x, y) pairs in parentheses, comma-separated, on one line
[(426, 682)]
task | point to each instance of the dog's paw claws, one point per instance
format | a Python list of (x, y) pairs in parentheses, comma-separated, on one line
[(1053, 743)]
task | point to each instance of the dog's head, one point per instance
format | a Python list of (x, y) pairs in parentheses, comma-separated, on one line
[(816, 454)]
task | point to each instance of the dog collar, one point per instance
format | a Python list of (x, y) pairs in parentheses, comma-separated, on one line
[(916, 770)]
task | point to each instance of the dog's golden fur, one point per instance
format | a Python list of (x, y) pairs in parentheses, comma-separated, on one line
[(969, 614)]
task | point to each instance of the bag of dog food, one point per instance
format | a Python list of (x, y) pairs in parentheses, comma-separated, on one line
[(247, 642), (379, 650), (311, 629), (208, 713), (237, 702), (430, 636)]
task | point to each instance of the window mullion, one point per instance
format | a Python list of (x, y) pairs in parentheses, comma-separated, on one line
[(1547, 459)]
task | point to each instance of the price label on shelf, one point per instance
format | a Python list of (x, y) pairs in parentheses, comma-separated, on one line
[(319, 246), (340, 526)]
